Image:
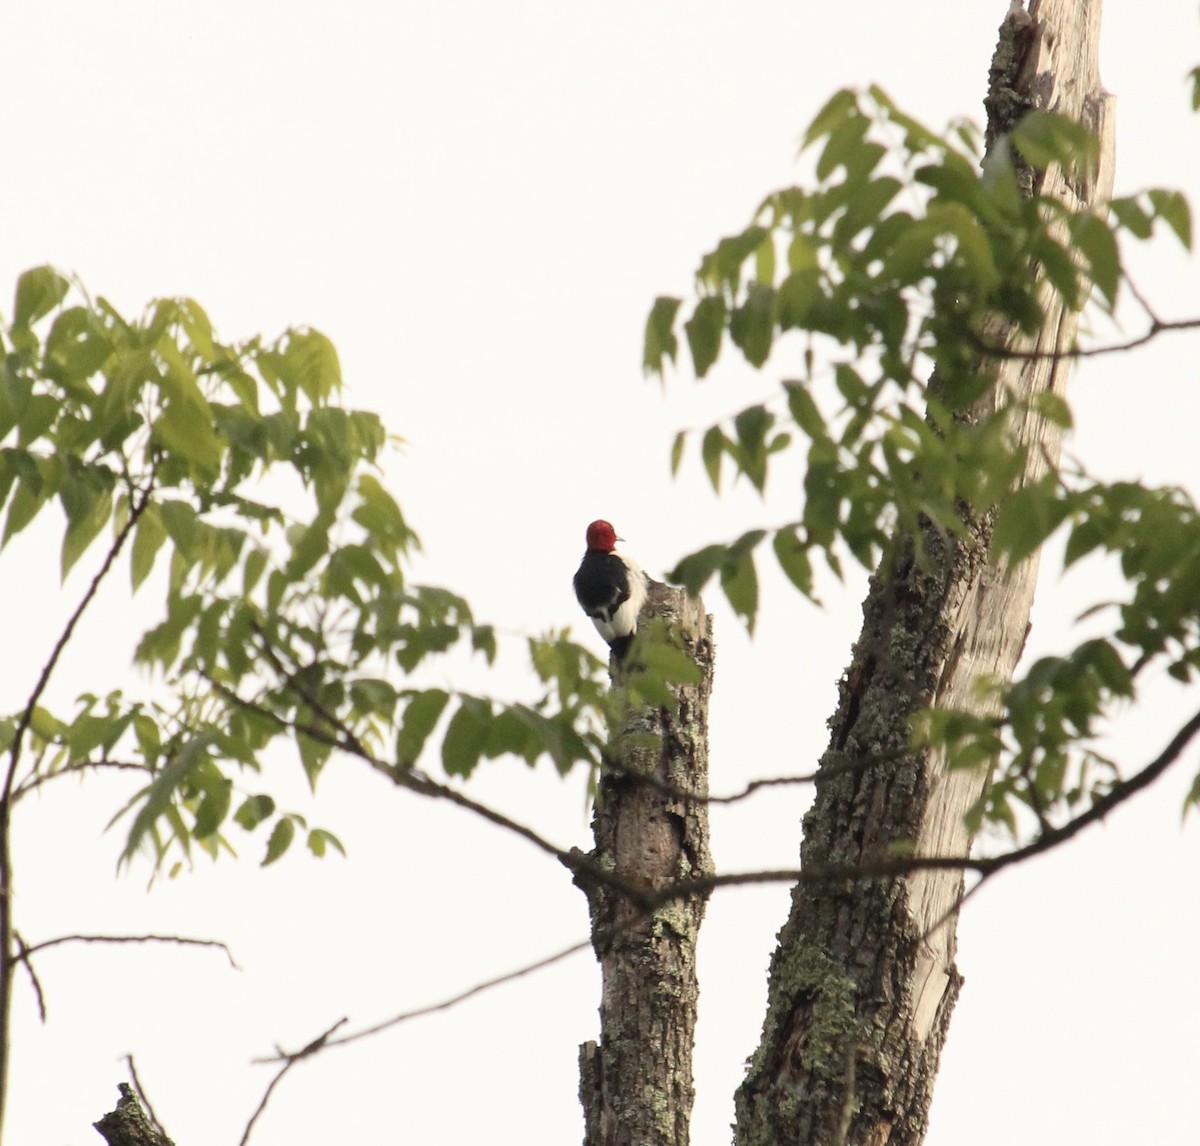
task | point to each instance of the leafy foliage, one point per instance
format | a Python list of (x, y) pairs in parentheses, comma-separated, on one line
[(892, 272), (288, 618)]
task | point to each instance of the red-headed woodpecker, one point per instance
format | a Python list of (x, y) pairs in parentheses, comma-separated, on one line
[(610, 587)]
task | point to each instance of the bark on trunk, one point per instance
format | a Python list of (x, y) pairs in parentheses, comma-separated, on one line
[(636, 1084), (863, 979)]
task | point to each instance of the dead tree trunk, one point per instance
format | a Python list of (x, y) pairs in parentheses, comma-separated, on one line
[(636, 1084), (863, 981), (129, 1125)]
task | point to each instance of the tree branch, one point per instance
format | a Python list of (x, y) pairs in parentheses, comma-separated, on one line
[(885, 867), (289, 1062), (7, 958), (137, 508), (35, 781), (182, 940), (574, 860)]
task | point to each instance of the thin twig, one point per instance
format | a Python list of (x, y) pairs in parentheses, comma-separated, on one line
[(22, 956), (445, 1004), (144, 1099), (182, 940), (884, 867), (136, 510), (33, 782), (290, 1061), (1156, 327), (574, 860), (827, 770)]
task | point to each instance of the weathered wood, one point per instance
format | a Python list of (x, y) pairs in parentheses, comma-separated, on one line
[(129, 1125), (636, 1083), (863, 980)]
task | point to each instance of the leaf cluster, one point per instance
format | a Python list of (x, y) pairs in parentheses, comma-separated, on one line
[(892, 274), (232, 478), (888, 273)]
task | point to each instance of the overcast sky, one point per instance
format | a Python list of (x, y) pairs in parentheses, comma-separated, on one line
[(478, 203)]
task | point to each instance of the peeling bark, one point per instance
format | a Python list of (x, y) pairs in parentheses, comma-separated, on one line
[(636, 1083), (863, 979)]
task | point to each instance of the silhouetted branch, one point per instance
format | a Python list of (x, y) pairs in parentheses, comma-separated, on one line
[(573, 860), (22, 957), (34, 782), (180, 939), (289, 1061), (144, 1098), (433, 1008)]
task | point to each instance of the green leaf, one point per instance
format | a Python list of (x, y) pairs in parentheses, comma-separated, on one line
[(319, 841), (1027, 518), (1096, 242), (740, 582), (281, 839), (23, 508), (148, 537), (847, 146), (253, 811), (793, 559), (704, 332), (752, 426), (677, 452), (39, 291), (158, 798), (256, 563), (1055, 408), (670, 663), (694, 570), (799, 297), (1131, 215), (837, 110), (1172, 207), (380, 516), (89, 508), (466, 736), (214, 806), (751, 325), (712, 448), (1046, 137), (722, 268), (804, 410), (186, 428), (764, 261), (660, 340), (311, 364)]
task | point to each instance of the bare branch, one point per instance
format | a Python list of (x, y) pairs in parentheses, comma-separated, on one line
[(573, 860), (22, 956), (34, 782), (182, 940), (1156, 327), (444, 1005), (145, 1099), (885, 867), (137, 508), (290, 1061)]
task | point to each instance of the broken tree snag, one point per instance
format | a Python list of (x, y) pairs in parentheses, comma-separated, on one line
[(636, 1083), (129, 1125), (863, 979)]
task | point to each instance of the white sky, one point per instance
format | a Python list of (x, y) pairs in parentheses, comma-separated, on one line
[(478, 203)]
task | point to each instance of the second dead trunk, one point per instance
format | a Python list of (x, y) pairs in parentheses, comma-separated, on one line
[(863, 979)]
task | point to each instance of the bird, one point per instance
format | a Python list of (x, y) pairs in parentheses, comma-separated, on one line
[(610, 587)]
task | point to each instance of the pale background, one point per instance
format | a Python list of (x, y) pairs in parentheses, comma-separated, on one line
[(478, 203)]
